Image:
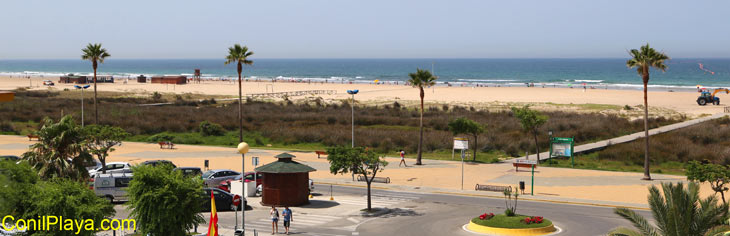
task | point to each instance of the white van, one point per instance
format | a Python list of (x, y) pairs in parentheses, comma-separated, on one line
[(112, 186)]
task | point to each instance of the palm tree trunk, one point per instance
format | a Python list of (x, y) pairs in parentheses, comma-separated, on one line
[(420, 139), (96, 109), (474, 158), (646, 128), (240, 104)]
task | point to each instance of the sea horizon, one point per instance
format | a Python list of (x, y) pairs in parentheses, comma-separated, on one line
[(683, 73)]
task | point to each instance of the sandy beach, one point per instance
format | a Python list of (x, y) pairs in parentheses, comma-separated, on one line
[(682, 102)]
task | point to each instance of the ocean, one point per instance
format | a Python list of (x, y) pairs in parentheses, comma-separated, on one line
[(681, 74)]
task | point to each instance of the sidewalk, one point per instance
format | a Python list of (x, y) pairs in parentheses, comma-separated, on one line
[(555, 184)]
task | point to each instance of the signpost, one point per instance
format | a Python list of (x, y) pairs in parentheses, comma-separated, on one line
[(562, 147), (255, 163), (461, 144)]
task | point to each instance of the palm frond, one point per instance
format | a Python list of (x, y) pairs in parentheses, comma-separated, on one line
[(637, 220), (623, 231), (718, 230)]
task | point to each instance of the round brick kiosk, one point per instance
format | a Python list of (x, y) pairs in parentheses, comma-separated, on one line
[(285, 182)]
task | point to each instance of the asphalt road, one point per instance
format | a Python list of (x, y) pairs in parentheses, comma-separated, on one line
[(417, 214)]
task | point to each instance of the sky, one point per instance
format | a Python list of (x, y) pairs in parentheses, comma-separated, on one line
[(52, 29)]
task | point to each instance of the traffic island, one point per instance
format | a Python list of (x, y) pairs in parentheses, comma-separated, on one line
[(518, 225)]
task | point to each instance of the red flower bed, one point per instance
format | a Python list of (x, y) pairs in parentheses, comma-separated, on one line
[(532, 220), (486, 216)]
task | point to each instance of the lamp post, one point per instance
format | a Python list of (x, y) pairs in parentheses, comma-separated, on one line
[(550, 151), (353, 92), (243, 149), (82, 101)]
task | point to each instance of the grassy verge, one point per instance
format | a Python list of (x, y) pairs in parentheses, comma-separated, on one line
[(510, 222), (592, 162)]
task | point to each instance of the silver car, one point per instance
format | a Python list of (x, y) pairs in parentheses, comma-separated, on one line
[(112, 186), (213, 178), (112, 167)]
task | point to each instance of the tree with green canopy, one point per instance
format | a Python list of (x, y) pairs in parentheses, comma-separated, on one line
[(717, 175), (239, 55), (96, 54), (61, 151), (164, 202), (101, 140), (17, 182), (679, 212), (643, 59), (421, 79), (530, 120), (464, 125), (357, 160)]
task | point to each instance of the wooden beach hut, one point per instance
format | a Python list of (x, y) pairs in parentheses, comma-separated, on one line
[(285, 182), (174, 79), (141, 79), (6, 96), (82, 79)]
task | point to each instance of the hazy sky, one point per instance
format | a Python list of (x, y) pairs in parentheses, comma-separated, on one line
[(38, 29)]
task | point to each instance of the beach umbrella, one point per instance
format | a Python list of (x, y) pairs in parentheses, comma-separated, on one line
[(376, 81)]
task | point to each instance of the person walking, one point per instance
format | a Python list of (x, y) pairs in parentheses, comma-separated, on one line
[(402, 158), (288, 218), (274, 220)]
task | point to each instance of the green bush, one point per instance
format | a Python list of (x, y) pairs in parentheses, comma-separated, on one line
[(210, 129), (163, 201), (161, 137)]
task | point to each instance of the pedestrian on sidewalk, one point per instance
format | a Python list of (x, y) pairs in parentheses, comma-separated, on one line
[(274, 220), (402, 158), (288, 218)]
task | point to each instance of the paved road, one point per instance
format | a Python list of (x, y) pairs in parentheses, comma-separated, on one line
[(628, 138), (413, 214), (438, 214)]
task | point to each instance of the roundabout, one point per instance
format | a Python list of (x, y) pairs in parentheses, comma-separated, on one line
[(518, 225)]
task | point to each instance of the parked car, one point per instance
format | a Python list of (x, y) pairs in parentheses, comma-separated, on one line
[(190, 171), (48, 83), (213, 178), (249, 176), (112, 186), (112, 167), (224, 201), (10, 158), (158, 162)]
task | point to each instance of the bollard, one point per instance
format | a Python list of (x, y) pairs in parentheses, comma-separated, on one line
[(331, 198)]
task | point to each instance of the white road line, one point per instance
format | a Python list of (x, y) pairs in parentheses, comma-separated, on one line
[(353, 220)]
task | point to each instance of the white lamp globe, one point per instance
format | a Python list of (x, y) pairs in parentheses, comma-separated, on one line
[(243, 147)]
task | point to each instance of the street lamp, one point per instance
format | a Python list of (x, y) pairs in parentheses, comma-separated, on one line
[(243, 149), (82, 101), (550, 152), (353, 92)]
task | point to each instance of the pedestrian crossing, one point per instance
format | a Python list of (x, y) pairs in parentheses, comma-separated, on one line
[(299, 221), (378, 200)]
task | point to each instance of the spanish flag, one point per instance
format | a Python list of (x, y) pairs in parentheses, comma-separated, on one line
[(213, 223)]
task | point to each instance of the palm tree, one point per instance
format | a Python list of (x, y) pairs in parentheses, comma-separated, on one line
[(680, 212), (61, 151), (239, 55), (643, 59), (420, 79), (96, 54)]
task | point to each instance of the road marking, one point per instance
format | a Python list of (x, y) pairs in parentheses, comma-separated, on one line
[(353, 220), (355, 233)]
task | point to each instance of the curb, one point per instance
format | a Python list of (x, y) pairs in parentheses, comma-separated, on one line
[(505, 231), (488, 196), (379, 212)]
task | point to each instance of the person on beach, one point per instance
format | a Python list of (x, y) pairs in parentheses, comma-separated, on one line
[(402, 158), (288, 218), (274, 220)]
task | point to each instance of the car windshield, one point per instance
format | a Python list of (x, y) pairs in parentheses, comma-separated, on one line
[(208, 174)]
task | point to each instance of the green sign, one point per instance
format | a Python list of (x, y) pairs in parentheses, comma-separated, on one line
[(562, 147)]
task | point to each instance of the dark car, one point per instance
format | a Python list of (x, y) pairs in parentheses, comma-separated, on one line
[(9, 158), (190, 171), (158, 162), (224, 201), (213, 178)]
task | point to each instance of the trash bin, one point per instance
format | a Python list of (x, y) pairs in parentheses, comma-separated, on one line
[(522, 186)]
